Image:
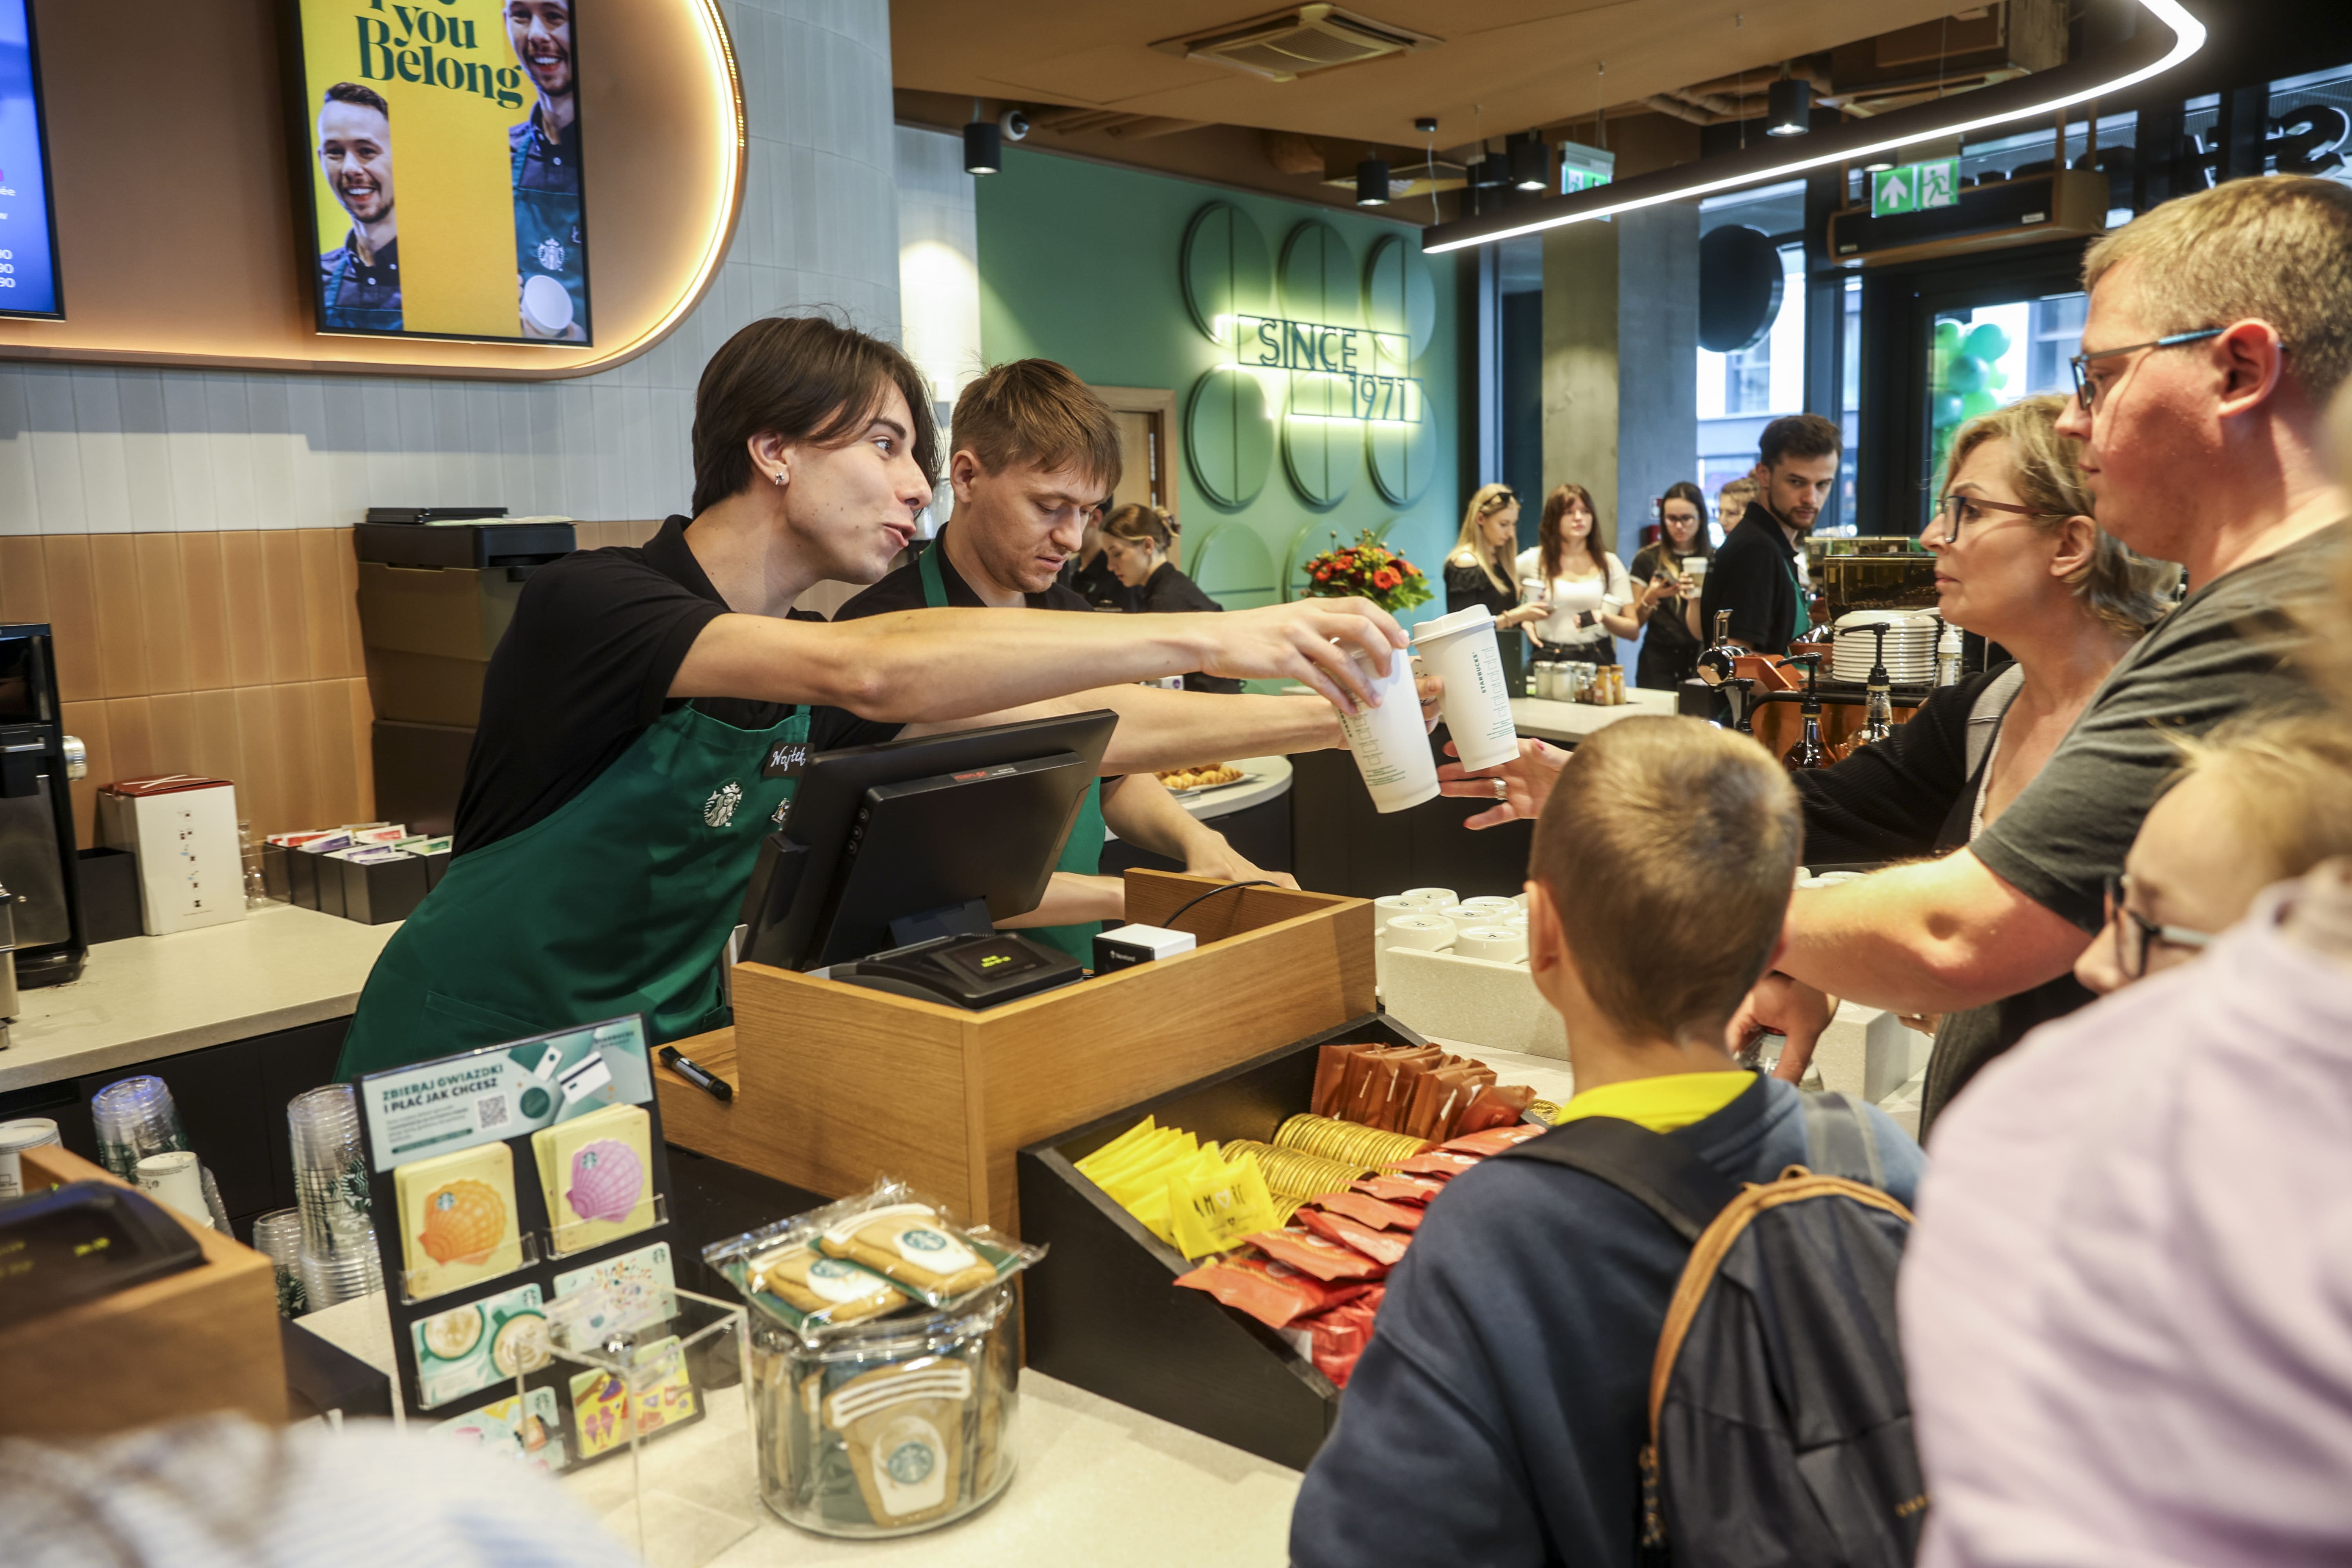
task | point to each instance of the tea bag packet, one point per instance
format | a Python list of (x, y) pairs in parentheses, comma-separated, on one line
[(1213, 1204), (823, 1289), (902, 1428), (912, 1244)]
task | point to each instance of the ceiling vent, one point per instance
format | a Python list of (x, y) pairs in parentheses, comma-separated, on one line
[(1298, 42)]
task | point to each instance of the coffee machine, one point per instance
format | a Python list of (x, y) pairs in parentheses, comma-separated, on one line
[(40, 910)]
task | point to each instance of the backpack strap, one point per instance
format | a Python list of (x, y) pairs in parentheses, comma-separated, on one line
[(1985, 714), (1839, 1140), (1654, 1168)]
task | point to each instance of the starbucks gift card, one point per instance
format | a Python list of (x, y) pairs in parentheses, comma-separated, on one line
[(605, 1411), (470, 1347), (596, 1171), (620, 1293), (529, 1428), (458, 1220)]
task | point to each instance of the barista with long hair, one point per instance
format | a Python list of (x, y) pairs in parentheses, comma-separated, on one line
[(1585, 585), (1480, 570), (1136, 541), (1667, 604)]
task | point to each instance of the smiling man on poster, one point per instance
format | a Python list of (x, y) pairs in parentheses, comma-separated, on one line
[(551, 250), (359, 280)]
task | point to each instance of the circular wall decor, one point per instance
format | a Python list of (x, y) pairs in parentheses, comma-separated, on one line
[(1318, 276), (1399, 295), (1228, 437), (1403, 458), (1225, 268), (1322, 457), (1739, 281)]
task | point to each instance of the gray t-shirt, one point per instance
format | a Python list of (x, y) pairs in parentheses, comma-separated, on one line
[(2227, 650)]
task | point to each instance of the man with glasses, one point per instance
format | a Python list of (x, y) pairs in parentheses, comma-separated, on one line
[(2220, 326)]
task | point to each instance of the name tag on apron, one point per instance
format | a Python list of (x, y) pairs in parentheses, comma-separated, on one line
[(786, 759)]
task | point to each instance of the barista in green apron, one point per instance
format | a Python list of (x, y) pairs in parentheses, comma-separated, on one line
[(644, 715), (1082, 851)]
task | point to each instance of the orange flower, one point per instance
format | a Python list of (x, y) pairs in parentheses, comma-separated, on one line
[(1386, 577)]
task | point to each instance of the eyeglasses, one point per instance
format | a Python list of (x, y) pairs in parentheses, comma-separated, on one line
[(2088, 393), (1956, 508), (2136, 934), (1497, 501)]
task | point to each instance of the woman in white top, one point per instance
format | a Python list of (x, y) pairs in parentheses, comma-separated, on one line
[(1586, 587)]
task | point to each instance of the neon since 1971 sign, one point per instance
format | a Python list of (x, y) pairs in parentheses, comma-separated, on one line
[(1336, 373)]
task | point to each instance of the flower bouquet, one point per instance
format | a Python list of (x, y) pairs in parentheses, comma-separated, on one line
[(1367, 570)]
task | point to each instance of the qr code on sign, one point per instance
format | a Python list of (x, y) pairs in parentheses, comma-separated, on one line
[(490, 1110)]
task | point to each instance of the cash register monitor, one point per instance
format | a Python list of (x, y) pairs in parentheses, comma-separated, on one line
[(886, 845)]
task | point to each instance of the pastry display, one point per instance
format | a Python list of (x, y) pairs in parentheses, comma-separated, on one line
[(1207, 775), (910, 1243)]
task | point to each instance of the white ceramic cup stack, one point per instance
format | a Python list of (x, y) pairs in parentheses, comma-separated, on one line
[(1461, 650), (338, 1260), (1388, 743), (1430, 898), (1431, 933), (1495, 943), (1491, 907)]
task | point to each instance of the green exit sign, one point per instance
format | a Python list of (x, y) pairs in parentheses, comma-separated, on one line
[(1916, 187)]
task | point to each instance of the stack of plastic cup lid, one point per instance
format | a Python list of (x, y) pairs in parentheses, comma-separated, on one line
[(278, 1238), (135, 1118), (338, 1260)]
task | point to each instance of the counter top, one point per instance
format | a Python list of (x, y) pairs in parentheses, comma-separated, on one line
[(1571, 721), (148, 997), (1098, 1482)]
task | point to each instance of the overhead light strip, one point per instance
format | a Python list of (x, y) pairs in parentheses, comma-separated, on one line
[(2188, 37)]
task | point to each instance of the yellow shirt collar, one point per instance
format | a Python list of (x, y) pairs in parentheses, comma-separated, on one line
[(1661, 1104)]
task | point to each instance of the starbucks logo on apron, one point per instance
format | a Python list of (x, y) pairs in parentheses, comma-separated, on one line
[(720, 809), (551, 254)]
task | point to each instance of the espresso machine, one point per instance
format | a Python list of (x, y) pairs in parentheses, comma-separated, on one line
[(41, 931)]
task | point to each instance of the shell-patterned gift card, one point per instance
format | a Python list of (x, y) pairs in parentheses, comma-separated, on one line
[(596, 1171), (458, 1220)]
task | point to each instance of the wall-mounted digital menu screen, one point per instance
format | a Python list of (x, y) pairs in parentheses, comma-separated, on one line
[(28, 249), (443, 140)]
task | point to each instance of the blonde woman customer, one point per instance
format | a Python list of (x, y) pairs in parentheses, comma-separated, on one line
[(1483, 569), (1586, 587), (1136, 540)]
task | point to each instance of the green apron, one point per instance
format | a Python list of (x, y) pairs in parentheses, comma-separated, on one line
[(1082, 851), (1804, 621), (620, 902)]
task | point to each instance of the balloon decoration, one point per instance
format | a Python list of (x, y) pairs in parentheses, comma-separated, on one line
[(1965, 379)]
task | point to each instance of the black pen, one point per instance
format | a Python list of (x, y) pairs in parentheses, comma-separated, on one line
[(702, 1077)]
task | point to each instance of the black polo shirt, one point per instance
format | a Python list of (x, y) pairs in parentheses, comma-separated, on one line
[(585, 669), (903, 590), (1753, 576)]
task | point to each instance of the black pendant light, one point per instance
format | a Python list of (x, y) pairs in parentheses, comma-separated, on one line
[(983, 144), (1530, 164), (1789, 109), (1371, 183)]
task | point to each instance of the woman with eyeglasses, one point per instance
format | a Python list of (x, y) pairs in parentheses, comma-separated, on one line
[(1480, 570), (1667, 606), (1585, 586), (2257, 801)]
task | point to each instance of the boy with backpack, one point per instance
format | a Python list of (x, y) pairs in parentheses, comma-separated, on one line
[(1502, 1412)]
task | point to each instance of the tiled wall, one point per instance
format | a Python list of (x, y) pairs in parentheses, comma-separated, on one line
[(188, 531), (235, 655)]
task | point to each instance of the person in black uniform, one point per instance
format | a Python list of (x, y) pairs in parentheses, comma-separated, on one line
[(1136, 540), (359, 280), (1667, 606), (1757, 574), (544, 154), (1089, 573), (1480, 570)]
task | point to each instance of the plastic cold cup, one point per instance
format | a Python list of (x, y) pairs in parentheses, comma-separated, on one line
[(1390, 748), (1461, 650)]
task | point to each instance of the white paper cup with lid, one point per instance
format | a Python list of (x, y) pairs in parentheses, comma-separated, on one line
[(1461, 650), (1390, 748), (16, 1137)]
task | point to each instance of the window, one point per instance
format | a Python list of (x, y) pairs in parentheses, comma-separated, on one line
[(1741, 392), (1989, 356)]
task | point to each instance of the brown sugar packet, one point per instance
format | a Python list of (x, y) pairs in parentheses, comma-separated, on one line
[(1452, 1088), (1376, 1106), (1331, 1073), (912, 1244), (1410, 1071), (1496, 1108)]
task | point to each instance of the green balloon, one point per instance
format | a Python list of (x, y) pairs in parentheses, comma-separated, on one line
[(1944, 410), (1965, 374), (1948, 336), (1977, 403), (1988, 342)]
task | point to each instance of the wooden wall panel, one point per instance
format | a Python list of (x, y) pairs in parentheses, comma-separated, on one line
[(235, 655)]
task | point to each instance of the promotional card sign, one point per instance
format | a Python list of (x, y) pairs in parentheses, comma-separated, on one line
[(487, 1096)]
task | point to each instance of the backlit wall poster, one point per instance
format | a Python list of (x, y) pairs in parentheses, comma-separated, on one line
[(28, 253), (443, 140)]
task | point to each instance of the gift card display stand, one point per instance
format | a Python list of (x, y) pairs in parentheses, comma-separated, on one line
[(521, 1196)]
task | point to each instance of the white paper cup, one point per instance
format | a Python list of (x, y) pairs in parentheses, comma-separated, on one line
[(1431, 897), (1461, 650), (546, 304), (1695, 568), (16, 1137), (1492, 906), (1390, 908), (178, 1180), (1429, 933), (1390, 748), (1496, 945)]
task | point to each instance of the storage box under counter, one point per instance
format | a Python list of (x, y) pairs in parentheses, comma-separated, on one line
[(836, 1085)]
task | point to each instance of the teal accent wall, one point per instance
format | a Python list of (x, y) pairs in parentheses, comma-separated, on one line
[(1081, 263)]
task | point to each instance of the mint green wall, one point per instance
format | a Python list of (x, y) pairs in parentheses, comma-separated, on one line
[(1080, 263)]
